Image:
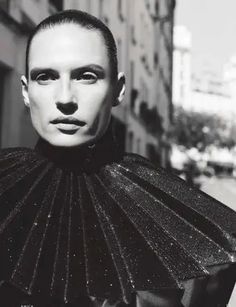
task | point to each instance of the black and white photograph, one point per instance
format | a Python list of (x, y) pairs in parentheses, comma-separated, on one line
[(117, 153)]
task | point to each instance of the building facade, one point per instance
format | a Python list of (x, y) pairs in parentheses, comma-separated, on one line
[(206, 90), (229, 77), (182, 66), (17, 18), (143, 32)]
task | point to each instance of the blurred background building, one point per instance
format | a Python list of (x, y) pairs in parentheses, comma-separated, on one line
[(17, 18), (182, 70), (204, 101), (204, 98), (204, 91), (143, 30)]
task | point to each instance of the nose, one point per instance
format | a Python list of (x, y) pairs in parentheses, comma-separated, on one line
[(66, 101)]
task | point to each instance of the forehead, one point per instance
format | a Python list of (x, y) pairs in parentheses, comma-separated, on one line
[(68, 45)]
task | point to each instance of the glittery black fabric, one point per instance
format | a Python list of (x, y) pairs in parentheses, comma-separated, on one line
[(99, 223)]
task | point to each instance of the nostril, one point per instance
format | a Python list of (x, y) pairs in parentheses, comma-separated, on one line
[(67, 108)]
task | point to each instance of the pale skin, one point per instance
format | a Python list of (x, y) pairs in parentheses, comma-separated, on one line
[(71, 78)]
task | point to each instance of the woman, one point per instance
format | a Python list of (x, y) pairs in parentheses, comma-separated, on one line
[(82, 223)]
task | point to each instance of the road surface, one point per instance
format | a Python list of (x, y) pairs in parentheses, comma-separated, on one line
[(223, 189)]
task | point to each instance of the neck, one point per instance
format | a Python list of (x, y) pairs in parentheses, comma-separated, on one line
[(83, 157)]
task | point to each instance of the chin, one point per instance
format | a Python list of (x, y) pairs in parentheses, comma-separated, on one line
[(69, 141)]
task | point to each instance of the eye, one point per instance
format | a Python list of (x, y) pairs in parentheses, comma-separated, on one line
[(87, 77), (44, 78)]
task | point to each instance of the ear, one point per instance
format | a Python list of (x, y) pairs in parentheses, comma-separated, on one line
[(24, 86), (120, 89)]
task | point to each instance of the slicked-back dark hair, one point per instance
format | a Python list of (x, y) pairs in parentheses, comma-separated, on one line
[(84, 20)]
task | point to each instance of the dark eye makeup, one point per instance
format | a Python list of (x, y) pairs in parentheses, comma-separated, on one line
[(86, 76), (44, 77), (89, 74), (43, 74)]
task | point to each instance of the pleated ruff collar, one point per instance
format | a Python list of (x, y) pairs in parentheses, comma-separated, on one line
[(108, 230), (82, 158)]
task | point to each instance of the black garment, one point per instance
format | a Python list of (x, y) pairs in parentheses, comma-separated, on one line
[(94, 222)]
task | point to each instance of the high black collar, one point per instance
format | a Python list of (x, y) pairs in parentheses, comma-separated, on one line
[(81, 158)]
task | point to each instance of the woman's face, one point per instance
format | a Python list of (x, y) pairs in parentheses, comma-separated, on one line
[(69, 90)]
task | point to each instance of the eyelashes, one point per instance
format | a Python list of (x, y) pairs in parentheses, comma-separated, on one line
[(87, 74), (43, 77), (85, 77)]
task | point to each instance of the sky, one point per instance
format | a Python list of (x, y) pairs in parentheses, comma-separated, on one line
[(213, 27)]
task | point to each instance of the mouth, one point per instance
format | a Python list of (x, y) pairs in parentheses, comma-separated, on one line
[(67, 123)]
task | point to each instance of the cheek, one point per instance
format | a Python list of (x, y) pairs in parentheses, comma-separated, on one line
[(97, 111), (102, 118), (99, 122), (39, 99), (95, 102)]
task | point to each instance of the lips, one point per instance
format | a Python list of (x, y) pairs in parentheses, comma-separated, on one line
[(67, 123), (68, 120)]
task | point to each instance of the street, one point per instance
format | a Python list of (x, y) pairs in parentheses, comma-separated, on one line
[(223, 189)]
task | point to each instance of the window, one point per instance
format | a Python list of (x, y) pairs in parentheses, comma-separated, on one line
[(120, 10), (58, 4), (156, 8), (119, 133), (156, 59), (138, 146), (132, 72), (4, 4), (100, 8), (106, 20), (119, 51), (133, 35), (130, 141), (3, 72)]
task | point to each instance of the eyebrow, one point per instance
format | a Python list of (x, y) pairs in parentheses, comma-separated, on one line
[(91, 67), (99, 70), (36, 71)]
